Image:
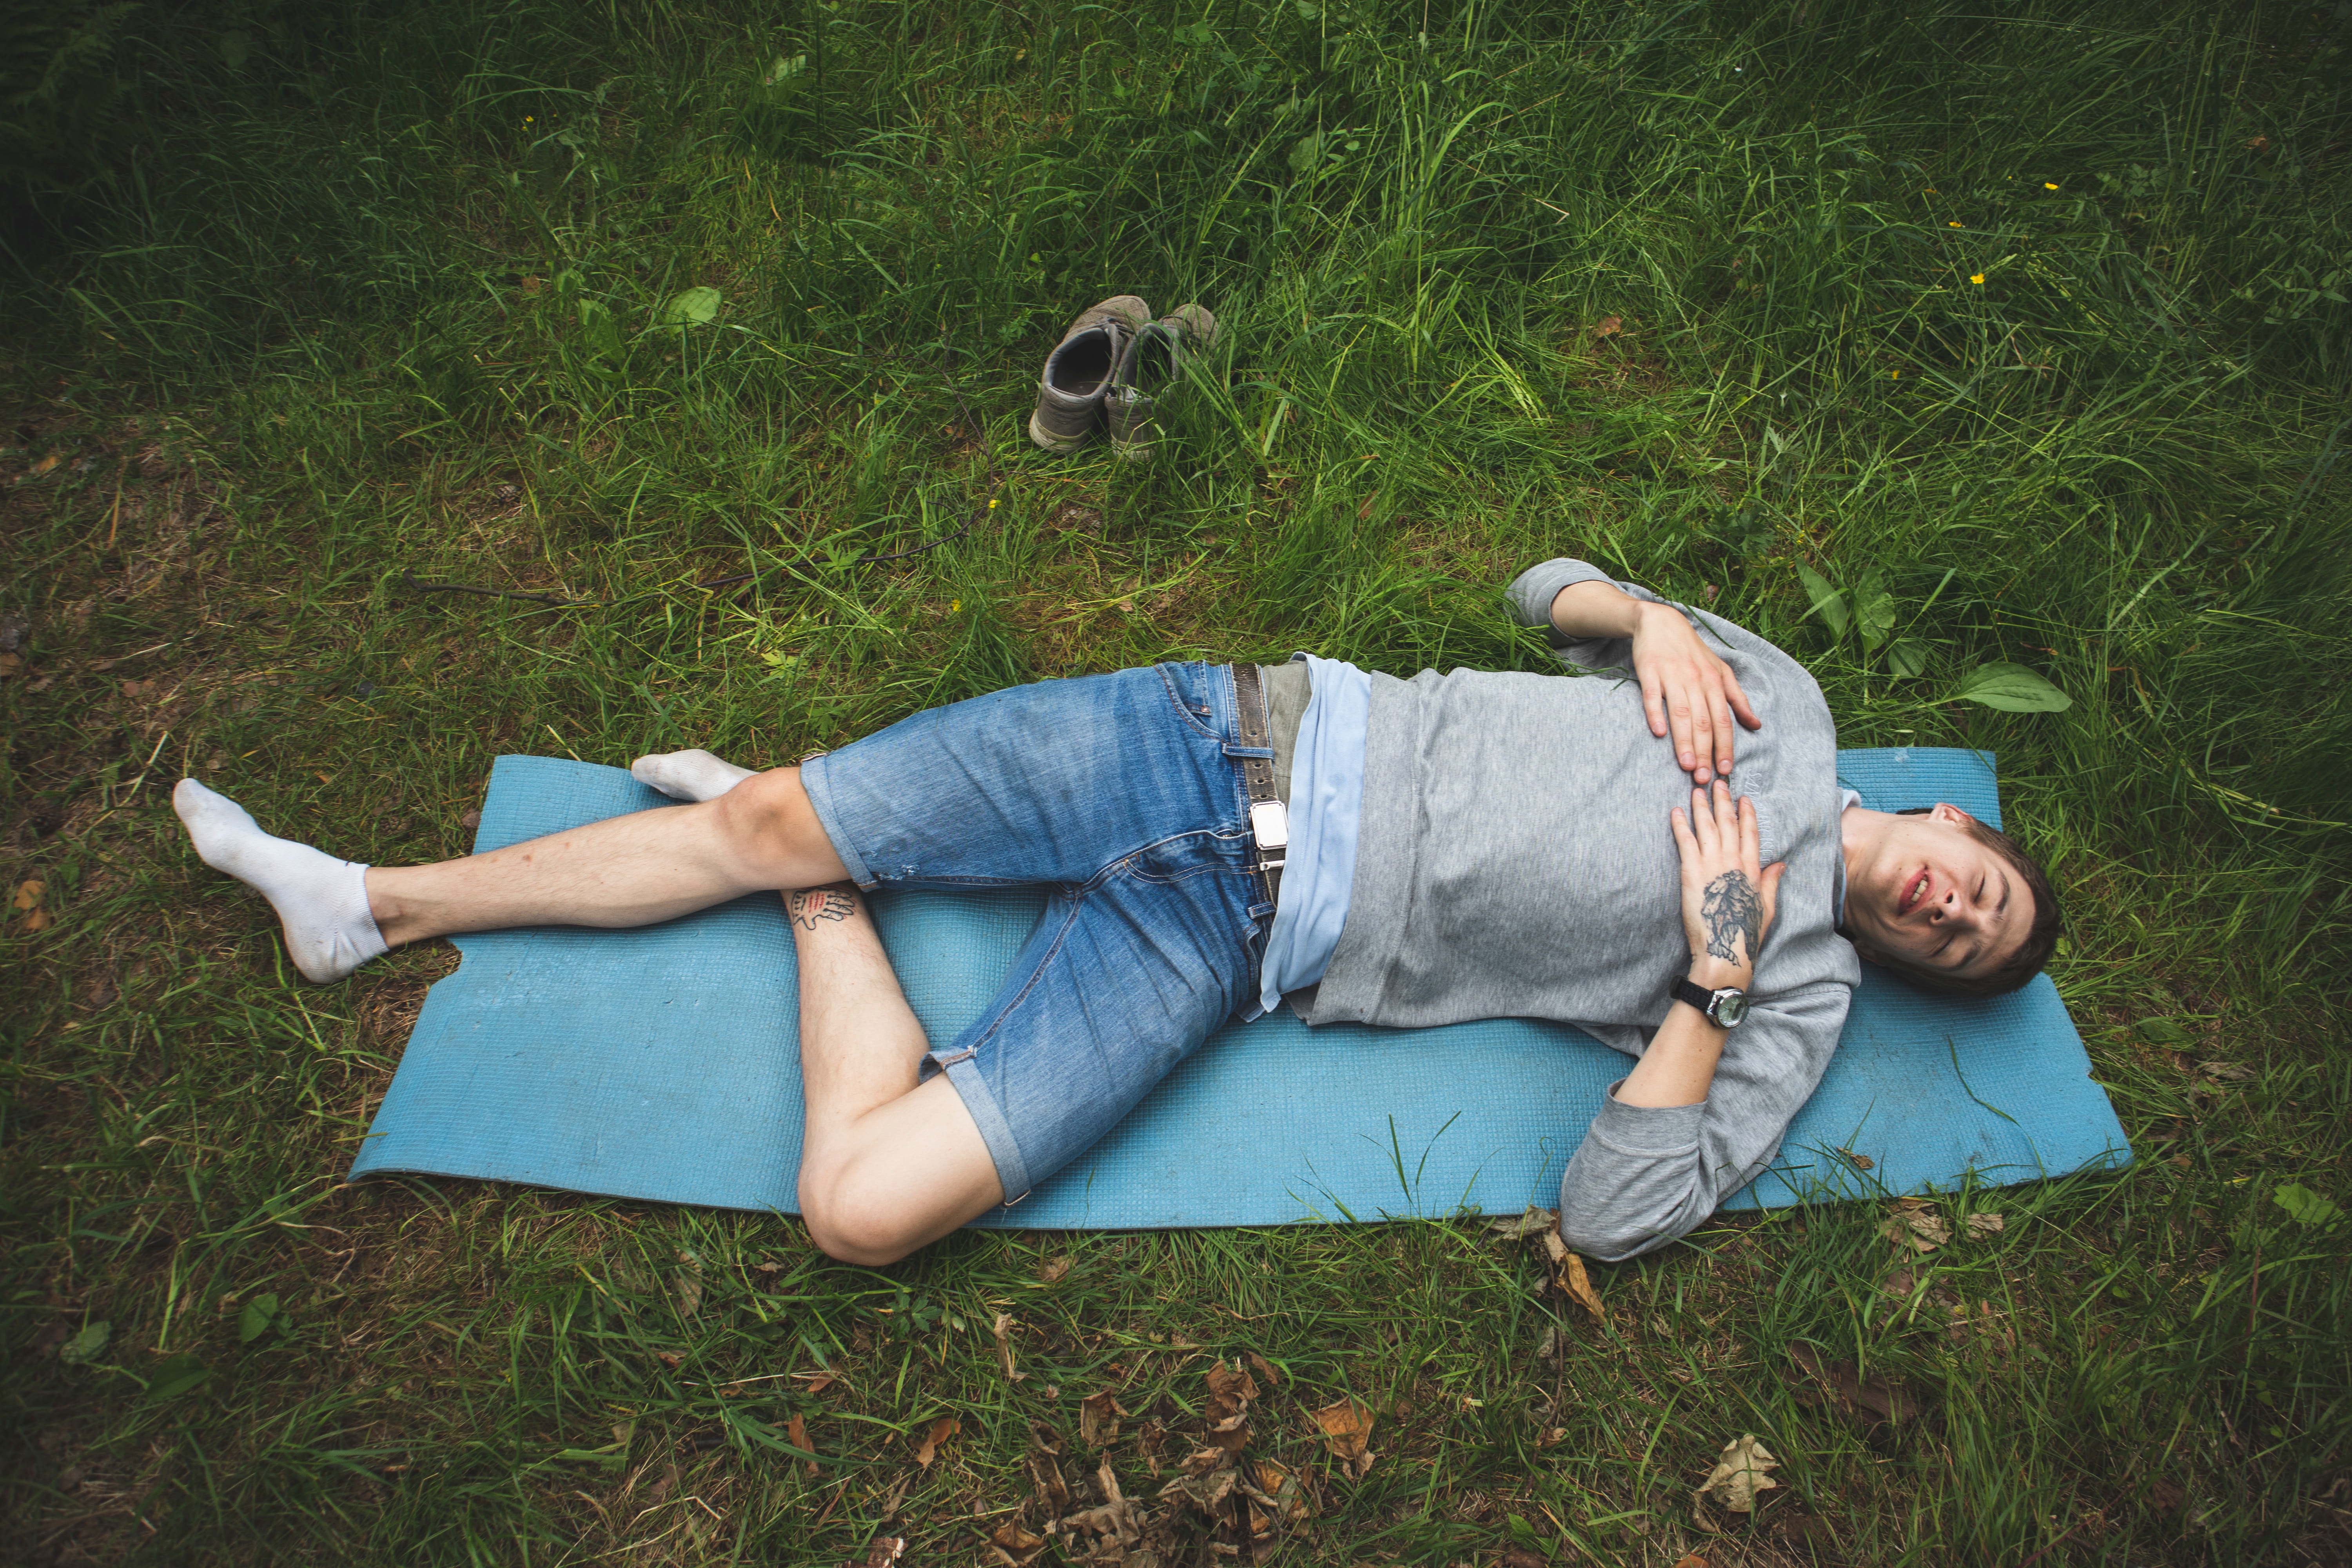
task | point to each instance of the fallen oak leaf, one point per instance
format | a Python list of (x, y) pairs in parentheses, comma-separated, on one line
[(796, 1433), (1230, 1390), (1053, 1271), (1868, 1401), (1347, 1429), (1983, 1225), (1003, 1333), (1577, 1285), (1099, 1419), (1015, 1545), (1739, 1474), (1281, 1491), (1917, 1228), (942, 1430), (1523, 1224)]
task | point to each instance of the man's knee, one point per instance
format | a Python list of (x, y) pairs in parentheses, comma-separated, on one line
[(850, 1221), (769, 815)]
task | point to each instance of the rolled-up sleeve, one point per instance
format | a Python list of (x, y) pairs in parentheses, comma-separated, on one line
[(1532, 592), (1645, 1175)]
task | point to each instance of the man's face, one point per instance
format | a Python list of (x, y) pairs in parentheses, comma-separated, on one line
[(1932, 893)]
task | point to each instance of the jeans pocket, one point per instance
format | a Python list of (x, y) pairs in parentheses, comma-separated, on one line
[(1192, 696)]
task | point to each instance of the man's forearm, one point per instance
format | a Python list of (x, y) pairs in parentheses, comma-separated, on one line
[(1679, 1066), (1595, 609)]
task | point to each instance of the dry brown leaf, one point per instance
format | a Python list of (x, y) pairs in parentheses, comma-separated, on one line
[(1867, 1401), (1053, 1271), (9, 664), (1271, 1480), (1739, 1474), (881, 1552), (1696, 1560), (1609, 327), (796, 1433), (942, 1430), (2234, 1073), (1348, 1432), (1099, 1419), (1003, 1333), (1983, 1225), (2166, 1497), (668, 1357), (1231, 1435), (1520, 1557), (1533, 1222), (1578, 1285), (1265, 1370), (1230, 1390), (1365, 510), (1046, 1476), (1859, 1162), (1920, 1229), (28, 894), (1014, 1544), (37, 921)]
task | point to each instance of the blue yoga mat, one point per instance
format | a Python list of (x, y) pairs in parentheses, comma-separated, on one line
[(663, 1064)]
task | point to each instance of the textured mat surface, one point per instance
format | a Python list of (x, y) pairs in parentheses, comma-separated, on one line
[(663, 1064)]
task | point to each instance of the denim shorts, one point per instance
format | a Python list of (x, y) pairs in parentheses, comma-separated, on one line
[(1122, 795)]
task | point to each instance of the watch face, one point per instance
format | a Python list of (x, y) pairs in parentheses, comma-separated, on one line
[(1730, 1008)]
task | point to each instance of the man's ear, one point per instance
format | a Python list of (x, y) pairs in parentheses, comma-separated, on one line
[(1950, 816)]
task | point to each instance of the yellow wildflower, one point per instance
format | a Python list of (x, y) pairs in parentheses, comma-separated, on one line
[(1954, 224), (2048, 185), (1976, 277), (954, 605)]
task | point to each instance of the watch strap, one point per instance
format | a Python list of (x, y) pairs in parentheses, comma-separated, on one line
[(1698, 996)]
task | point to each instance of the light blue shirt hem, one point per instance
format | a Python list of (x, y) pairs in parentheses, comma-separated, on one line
[(1326, 808)]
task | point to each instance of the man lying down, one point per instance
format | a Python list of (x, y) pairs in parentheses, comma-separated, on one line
[(1455, 847)]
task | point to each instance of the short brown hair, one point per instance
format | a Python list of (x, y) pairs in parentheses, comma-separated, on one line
[(2040, 938)]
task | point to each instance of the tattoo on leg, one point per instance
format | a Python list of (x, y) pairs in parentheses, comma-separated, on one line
[(1732, 910), (809, 905)]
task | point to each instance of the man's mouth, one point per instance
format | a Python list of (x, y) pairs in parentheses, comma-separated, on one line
[(1914, 894)]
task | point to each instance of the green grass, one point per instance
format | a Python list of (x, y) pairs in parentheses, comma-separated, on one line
[(384, 298)]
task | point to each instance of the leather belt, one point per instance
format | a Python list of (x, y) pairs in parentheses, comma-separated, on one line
[(1269, 814)]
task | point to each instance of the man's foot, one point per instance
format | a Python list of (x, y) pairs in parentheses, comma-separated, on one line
[(687, 775), (322, 902)]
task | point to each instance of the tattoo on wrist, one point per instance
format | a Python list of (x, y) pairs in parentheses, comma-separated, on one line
[(809, 905), (1731, 909)]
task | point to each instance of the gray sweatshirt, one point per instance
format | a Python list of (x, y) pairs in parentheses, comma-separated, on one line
[(1515, 861)]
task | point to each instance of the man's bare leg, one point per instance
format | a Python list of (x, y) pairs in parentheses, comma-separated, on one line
[(761, 836), (886, 1163)]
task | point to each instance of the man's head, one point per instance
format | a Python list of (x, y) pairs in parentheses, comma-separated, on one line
[(1947, 904)]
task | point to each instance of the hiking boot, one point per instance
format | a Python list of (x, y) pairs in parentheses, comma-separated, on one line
[(1154, 361), (1078, 372)]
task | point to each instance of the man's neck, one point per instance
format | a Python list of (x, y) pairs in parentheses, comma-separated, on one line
[(1859, 832)]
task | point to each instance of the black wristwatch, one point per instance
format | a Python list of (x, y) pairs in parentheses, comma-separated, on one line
[(1723, 1008)]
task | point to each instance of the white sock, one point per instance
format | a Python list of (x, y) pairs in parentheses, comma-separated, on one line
[(322, 902), (689, 775)]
